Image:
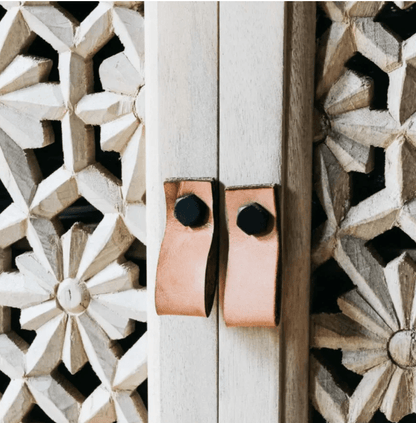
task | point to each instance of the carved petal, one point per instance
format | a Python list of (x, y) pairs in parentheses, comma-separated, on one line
[(73, 245), (362, 361), (52, 25), (132, 367), (404, 4), (400, 276), (16, 402), (19, 291), (44, 238), (350, 92), (101, 188), (25, 130), (31, 268), (118, 75), (400, 178), (339, 331), (13, 225), (333, 184), (336, 47), (15, 36), (54, 399), (369, 393), (129, 27), (12, 350), (368, 127), (95, 30), (46, 350), (108, 242), (130, 408), (134, 167), (23, 72), (397, 401), (363, 9), (18, 171), (55, 194), (73, 354), (77, 143), (367, 274), (32, 318), (352, 156), (407, 219), (401, 93), (115, 325), (116, 134), (353, 305), (377, 44), (373, 216), (129, 304), (75, 79), (96, 109), (327, 397), (115, 277), (135, 219), (102, 357), (98, 407), (42, 101)]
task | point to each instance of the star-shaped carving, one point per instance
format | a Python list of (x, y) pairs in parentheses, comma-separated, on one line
[(376, 333), (58, 402), (395, 204), (350, 92), (353, 29)]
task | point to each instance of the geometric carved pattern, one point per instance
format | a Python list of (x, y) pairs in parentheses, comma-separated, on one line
[(376, 326), (75, 289)]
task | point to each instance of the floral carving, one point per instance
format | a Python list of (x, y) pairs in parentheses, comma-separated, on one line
[(75, 289), (376, 329)]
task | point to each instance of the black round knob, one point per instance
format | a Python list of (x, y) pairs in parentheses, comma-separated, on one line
[(253, 219), (190, 210)]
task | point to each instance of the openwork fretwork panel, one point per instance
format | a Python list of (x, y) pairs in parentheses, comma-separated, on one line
[(363, 363), (72, 223)]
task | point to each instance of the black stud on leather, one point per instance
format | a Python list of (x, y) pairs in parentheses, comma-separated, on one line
[(190, 210), (253, 219)]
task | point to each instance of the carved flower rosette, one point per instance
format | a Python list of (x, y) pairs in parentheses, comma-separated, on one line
[(74, 288), (376, 326)]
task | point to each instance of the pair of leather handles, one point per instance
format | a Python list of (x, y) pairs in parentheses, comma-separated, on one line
[(188, 260)]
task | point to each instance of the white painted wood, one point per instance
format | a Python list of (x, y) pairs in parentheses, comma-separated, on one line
[(182, 140), (266, 138), (251, 129)]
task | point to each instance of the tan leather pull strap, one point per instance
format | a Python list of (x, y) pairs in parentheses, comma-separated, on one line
[(188, 259), (250, 296)]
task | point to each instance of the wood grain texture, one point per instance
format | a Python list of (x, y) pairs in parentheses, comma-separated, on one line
[(252, 38), (181, 118), (296, 211)]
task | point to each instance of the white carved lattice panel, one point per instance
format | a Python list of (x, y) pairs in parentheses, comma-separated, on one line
[(373, 322), (75, 287)]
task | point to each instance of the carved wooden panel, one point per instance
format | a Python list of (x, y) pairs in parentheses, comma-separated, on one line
[(365, 114), (76, 287)]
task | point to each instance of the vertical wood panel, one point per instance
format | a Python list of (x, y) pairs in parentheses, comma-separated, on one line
[(296, 210), (182, 142), (266, 93), (251, 105)]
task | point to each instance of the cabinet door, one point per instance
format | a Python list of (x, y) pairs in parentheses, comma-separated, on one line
[(230, 97)]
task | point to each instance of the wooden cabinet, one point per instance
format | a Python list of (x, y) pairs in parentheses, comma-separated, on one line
[(229, 96), (237, 94)]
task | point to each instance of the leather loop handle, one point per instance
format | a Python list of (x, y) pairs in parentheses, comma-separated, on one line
[(187, 268), (251, 286)]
